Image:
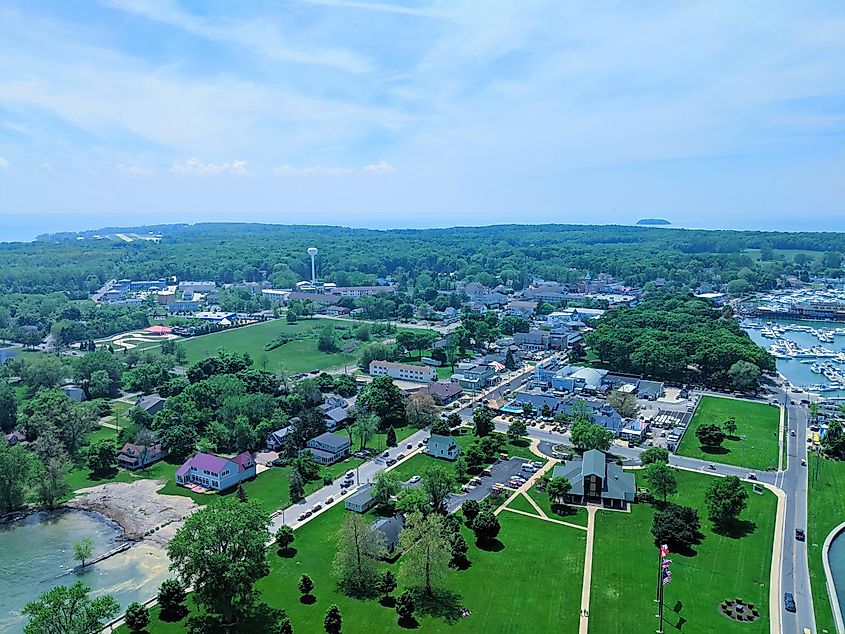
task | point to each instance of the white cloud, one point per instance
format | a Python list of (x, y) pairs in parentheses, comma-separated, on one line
[(290, 170), (260, 36), (196, 166), (134, 170), (382, 167), (4, 164), (380, 7), (46, 167)]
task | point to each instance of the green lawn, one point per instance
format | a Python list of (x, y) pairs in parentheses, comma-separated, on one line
[(519, 503), (298, 356), (756, 443), (499, 588), (825, 511), (720, 567), (572, 514)]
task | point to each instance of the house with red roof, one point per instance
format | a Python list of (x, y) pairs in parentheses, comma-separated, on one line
[(209, 471)]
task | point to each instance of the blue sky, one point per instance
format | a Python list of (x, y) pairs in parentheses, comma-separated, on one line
[(389, 114)]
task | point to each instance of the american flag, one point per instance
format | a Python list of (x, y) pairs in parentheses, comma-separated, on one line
[(667, 576), (666, 562), (664, 550)]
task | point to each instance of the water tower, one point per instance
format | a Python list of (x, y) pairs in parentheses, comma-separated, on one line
[(312, 251)]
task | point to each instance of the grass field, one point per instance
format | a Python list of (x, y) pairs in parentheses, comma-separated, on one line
[(756, 443), (500, 588), (720, 567), (572, 514), (825, 511), (297, 356)]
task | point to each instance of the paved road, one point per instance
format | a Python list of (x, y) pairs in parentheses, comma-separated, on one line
[(795, 577)]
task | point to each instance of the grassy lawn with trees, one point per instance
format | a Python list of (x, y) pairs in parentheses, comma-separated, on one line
[(755, 444), (825, 511), (496, 587), (566, 513), (299, 355), (719, 567)]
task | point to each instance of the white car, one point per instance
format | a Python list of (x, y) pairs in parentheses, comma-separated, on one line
[(414, 479)]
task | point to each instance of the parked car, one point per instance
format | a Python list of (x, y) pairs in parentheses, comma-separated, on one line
[(792, 432), (386, 454), (789, 602), (317, 507), (711, 466), (329, 500), (420, 443), (302, 516), (803, 462), (752, 476), (401, 456), (537, 464), (391, 462), (414, 479), (409, 446), (799, 534), (350, 475), (308, 513)]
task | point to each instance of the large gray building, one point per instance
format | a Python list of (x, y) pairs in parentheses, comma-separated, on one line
[(598, 480)]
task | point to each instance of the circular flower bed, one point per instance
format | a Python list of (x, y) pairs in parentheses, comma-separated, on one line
[(739, 610)]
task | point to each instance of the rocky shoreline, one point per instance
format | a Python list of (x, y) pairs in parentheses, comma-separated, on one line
[(135, 506)]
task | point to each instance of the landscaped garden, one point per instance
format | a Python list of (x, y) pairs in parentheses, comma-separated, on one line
[(753, 445), (825, 511), (722, 567)]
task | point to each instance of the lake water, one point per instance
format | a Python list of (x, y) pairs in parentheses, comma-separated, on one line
[(799, 373), (837, 567), (37, 549)]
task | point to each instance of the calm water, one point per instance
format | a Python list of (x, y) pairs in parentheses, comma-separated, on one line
[(799, 373), (35, 550), (837, 567)]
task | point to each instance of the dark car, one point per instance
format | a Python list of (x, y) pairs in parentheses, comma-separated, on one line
[(385, 454), (391, 462), (799, 534), (789, 602)]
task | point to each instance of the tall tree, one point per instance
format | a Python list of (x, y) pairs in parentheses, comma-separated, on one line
[(654, 454), (710, 435), (725, 498), (8, 407), (384, 399), (16, 465), (220, 551), (677, 526), (426, 552), (482, 419), (486, 526), (586, 435), (364, 428), (625, 403), (386, 485), (661, 479), (438, 484), (82, 550), (557, 489), (358, 549), (420, 409), (69, 610)]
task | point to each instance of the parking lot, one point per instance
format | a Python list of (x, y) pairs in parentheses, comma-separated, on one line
[(501, 472)]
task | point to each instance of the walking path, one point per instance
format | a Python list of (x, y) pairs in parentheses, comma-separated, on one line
[(545, 518), (588, 571)]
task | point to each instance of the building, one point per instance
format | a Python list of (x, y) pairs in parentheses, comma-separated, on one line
[(443, 392), (403, 372), (221, 318), (152, 403), (635, 431), (196, 287), (474, 376), (74, 392), (360, 291), (337, 310), (389, 528), (209, 471), (328, 448), (597, 480), (134, 456), (183, 306), (361, 501), (521, 308), (443, 447), (276, 439)]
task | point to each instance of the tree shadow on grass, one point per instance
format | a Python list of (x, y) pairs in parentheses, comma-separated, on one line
[(715, 451), (439, 604), (173, 616), (564, 510), (388, 601), (307, 599), (409, 624), (490, 545), (253, 617), (736, 529), (287, 553)]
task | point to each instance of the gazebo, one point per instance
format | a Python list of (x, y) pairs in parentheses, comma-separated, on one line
[(159, 330)]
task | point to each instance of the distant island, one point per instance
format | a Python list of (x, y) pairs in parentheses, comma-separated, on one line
[(653, 221)]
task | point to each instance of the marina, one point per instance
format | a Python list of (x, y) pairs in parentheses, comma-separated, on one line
[(810, 354)]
